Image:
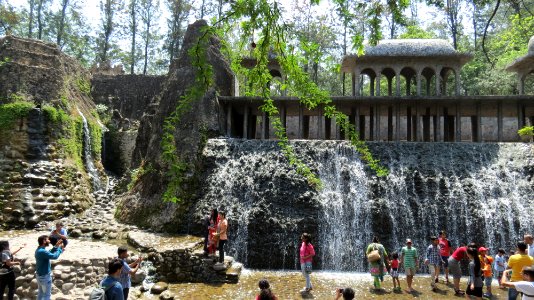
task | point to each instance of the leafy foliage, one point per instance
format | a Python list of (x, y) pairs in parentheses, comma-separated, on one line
[(11, 112)]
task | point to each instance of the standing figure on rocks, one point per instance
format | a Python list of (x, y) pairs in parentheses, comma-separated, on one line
[(446, 251), (306, 257), (433, 260), (111, 283), (474, 284), (223, 236), (7, 275), (454, 266), (59, 233), (409, 261), (377, 257), (127, 270), (213, 239), (43, 268)]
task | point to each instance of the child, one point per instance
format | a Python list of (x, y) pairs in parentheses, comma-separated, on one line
[(486, 262), (395, 271), (499, 267)]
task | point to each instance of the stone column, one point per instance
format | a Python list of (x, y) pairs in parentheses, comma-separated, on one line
[(437, 124), (397, 122), (397, 81), (229, 116), (458, 133), (246, 117), (377, 120), (378, 78), (418, 79), (458, 81), (418, 135), (520, 116), (356, 112), (390, 123), (301, 122), (479, 125), (371, 122), (409, 127), (438, 81), (372, 85), (283, 115), (356, 84), (320, 124)]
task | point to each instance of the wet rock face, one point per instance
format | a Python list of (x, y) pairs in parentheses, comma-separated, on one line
[(204, 120)]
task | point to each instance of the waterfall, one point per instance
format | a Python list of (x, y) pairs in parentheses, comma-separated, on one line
[(88, 158), (475, 192)]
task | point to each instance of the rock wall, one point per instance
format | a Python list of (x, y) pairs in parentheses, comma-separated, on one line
[(143, 205), (130, 95)]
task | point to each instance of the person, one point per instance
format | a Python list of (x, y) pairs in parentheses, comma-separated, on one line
[(433, 260), (111, 283), (529, 240), (485, 262), (346, 293), (206, 231), (7, 275), (43, 268), (223, 236), (474, 284), (499, 265), (410, 263), (127, 270), (454, 267), (377, 267), (516, 263), (59, 233), (307, 252), (395, 271), (525, 286), (213, 239), (445, 252), (265, 291)]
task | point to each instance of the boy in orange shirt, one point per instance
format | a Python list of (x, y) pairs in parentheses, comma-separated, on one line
[(485, 264)]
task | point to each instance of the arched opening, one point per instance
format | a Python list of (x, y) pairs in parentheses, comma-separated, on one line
[(409, 83), (275, 85), (367, 82), (387, 87), (428, 86), (448, 81), (529, 83)]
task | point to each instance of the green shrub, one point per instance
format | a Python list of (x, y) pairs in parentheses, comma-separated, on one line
[(11, 112), (526, 131)]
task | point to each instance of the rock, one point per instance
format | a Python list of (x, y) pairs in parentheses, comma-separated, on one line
[(166, 295), (98, 235), (138, 277), (159, 287), (67, 287), (76, 233)]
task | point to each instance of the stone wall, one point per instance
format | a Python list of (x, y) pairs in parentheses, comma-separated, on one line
[(128, 94)]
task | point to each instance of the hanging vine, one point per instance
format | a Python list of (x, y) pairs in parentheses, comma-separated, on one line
[(265, 18)]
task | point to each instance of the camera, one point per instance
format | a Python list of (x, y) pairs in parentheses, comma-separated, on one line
[(340, 291)]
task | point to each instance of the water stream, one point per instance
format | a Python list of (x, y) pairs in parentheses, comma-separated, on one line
[(88, 158)]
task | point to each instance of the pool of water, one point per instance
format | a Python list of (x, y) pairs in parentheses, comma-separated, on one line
[(287, 285)]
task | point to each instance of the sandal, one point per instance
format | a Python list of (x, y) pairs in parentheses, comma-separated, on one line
[(459, 292)]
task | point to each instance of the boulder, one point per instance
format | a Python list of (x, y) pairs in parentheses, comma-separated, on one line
[(159, 287)]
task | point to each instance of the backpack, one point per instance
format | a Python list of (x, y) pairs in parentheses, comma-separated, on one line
[(99, 292)]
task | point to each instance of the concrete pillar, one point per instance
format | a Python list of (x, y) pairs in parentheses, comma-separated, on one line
[(283, 115), (409, 129), (479, 125), (457, 82), (265, 126), (246, 117), (398, 82), (426, 125), (418, 80), (458, 133), (397, 122), (301, 122), (390, 123), (357, 119), (371, 123), (320, 124), (229, 116), (520, 116), (437, 124), (356, 84), (446, 132), (377, 121), (418, 135), (499, 122), (378, 78), (438, 81)]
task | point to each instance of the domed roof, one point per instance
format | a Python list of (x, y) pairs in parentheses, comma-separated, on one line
[(531, 46), (411, 47)]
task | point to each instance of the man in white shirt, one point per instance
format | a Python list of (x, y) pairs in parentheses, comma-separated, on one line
[(529, 240), (526, 286)]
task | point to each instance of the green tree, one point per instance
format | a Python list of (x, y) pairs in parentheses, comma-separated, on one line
[(149, 11), (133, 9), (9, 18), (109, 9), (179, 13)]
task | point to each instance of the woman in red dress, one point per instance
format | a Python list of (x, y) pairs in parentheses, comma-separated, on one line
[(212, 229)]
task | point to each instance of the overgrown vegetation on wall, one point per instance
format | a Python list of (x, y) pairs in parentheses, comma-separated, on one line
[(11, 112)]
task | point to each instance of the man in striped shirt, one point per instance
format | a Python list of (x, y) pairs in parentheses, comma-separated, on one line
[(409, 260), (433, 260)]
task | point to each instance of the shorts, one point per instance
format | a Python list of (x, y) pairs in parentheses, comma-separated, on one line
[(445, 261), (487, 280), (409, 271), (454, 268), (395, 272), (477, 291)]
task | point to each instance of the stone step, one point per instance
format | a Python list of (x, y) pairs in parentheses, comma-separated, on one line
[(233, 273)]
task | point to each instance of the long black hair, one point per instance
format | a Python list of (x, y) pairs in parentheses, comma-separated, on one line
[(214, 214), (4, 245), (474, 253)]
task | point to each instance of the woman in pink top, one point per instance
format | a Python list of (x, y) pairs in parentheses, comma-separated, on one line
[(306, 256), (223, 237)]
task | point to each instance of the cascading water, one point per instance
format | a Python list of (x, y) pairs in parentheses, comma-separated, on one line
[(89, 164), (476, 192)]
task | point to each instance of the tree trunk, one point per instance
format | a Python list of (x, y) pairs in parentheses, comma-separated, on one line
[(30, 22), (134, 32), (147, 41), (62, 22), (40, 20)]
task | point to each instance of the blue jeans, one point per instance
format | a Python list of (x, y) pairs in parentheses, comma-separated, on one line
[(512, 293), (44, 286), (306, 275)]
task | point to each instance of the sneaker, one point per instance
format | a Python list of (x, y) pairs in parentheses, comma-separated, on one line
[(459, 292), (304, 290), (487, 295)]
